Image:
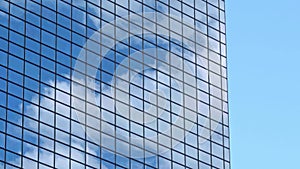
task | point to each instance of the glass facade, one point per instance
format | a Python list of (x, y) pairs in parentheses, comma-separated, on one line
[(113, 84)]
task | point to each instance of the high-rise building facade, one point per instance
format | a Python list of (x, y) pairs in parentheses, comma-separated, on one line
[(113, 84)]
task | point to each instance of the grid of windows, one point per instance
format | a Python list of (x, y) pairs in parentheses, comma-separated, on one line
[(43, 105)]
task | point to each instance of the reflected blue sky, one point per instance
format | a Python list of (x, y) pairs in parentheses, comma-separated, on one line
[(264, 91)]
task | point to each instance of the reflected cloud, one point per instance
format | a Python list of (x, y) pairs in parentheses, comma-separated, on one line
[(126, 76)]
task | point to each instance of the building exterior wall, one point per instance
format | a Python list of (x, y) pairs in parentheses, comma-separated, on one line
[(113, 84)]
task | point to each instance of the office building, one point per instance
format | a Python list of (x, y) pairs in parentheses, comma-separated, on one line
[(113, 84)]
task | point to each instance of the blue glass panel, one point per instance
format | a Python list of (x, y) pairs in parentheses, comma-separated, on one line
[(47, 76), (4, 5), (33, 7), (50, 4), (3, 58), (15, 90), (48, 14), (3, 99), (48, 64), (63, 59), (14, 103), (16, 50), (2, 123), (64, 8), (4, 18), (33, 45), (2, 153), (3, 32), (48, 39), (64, 46), (14, 159), (14, 130), (64, 21), (32, 70), (13, 144), (31, 84), (16, 24), (32, 57), (33, 32), (48, 52), (17, 11), (3, 84), (16, 63), (107, 66), (32, 18), (3, 45), (65, 33), (15, 77)]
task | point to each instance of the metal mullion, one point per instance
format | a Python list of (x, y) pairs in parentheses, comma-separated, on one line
[(85, 90), (227, 94), (6, 92), (208, 82), (114, 87), (23, 91), (197, 98)]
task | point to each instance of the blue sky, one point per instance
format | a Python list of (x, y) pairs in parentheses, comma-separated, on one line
[(264, 83)]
